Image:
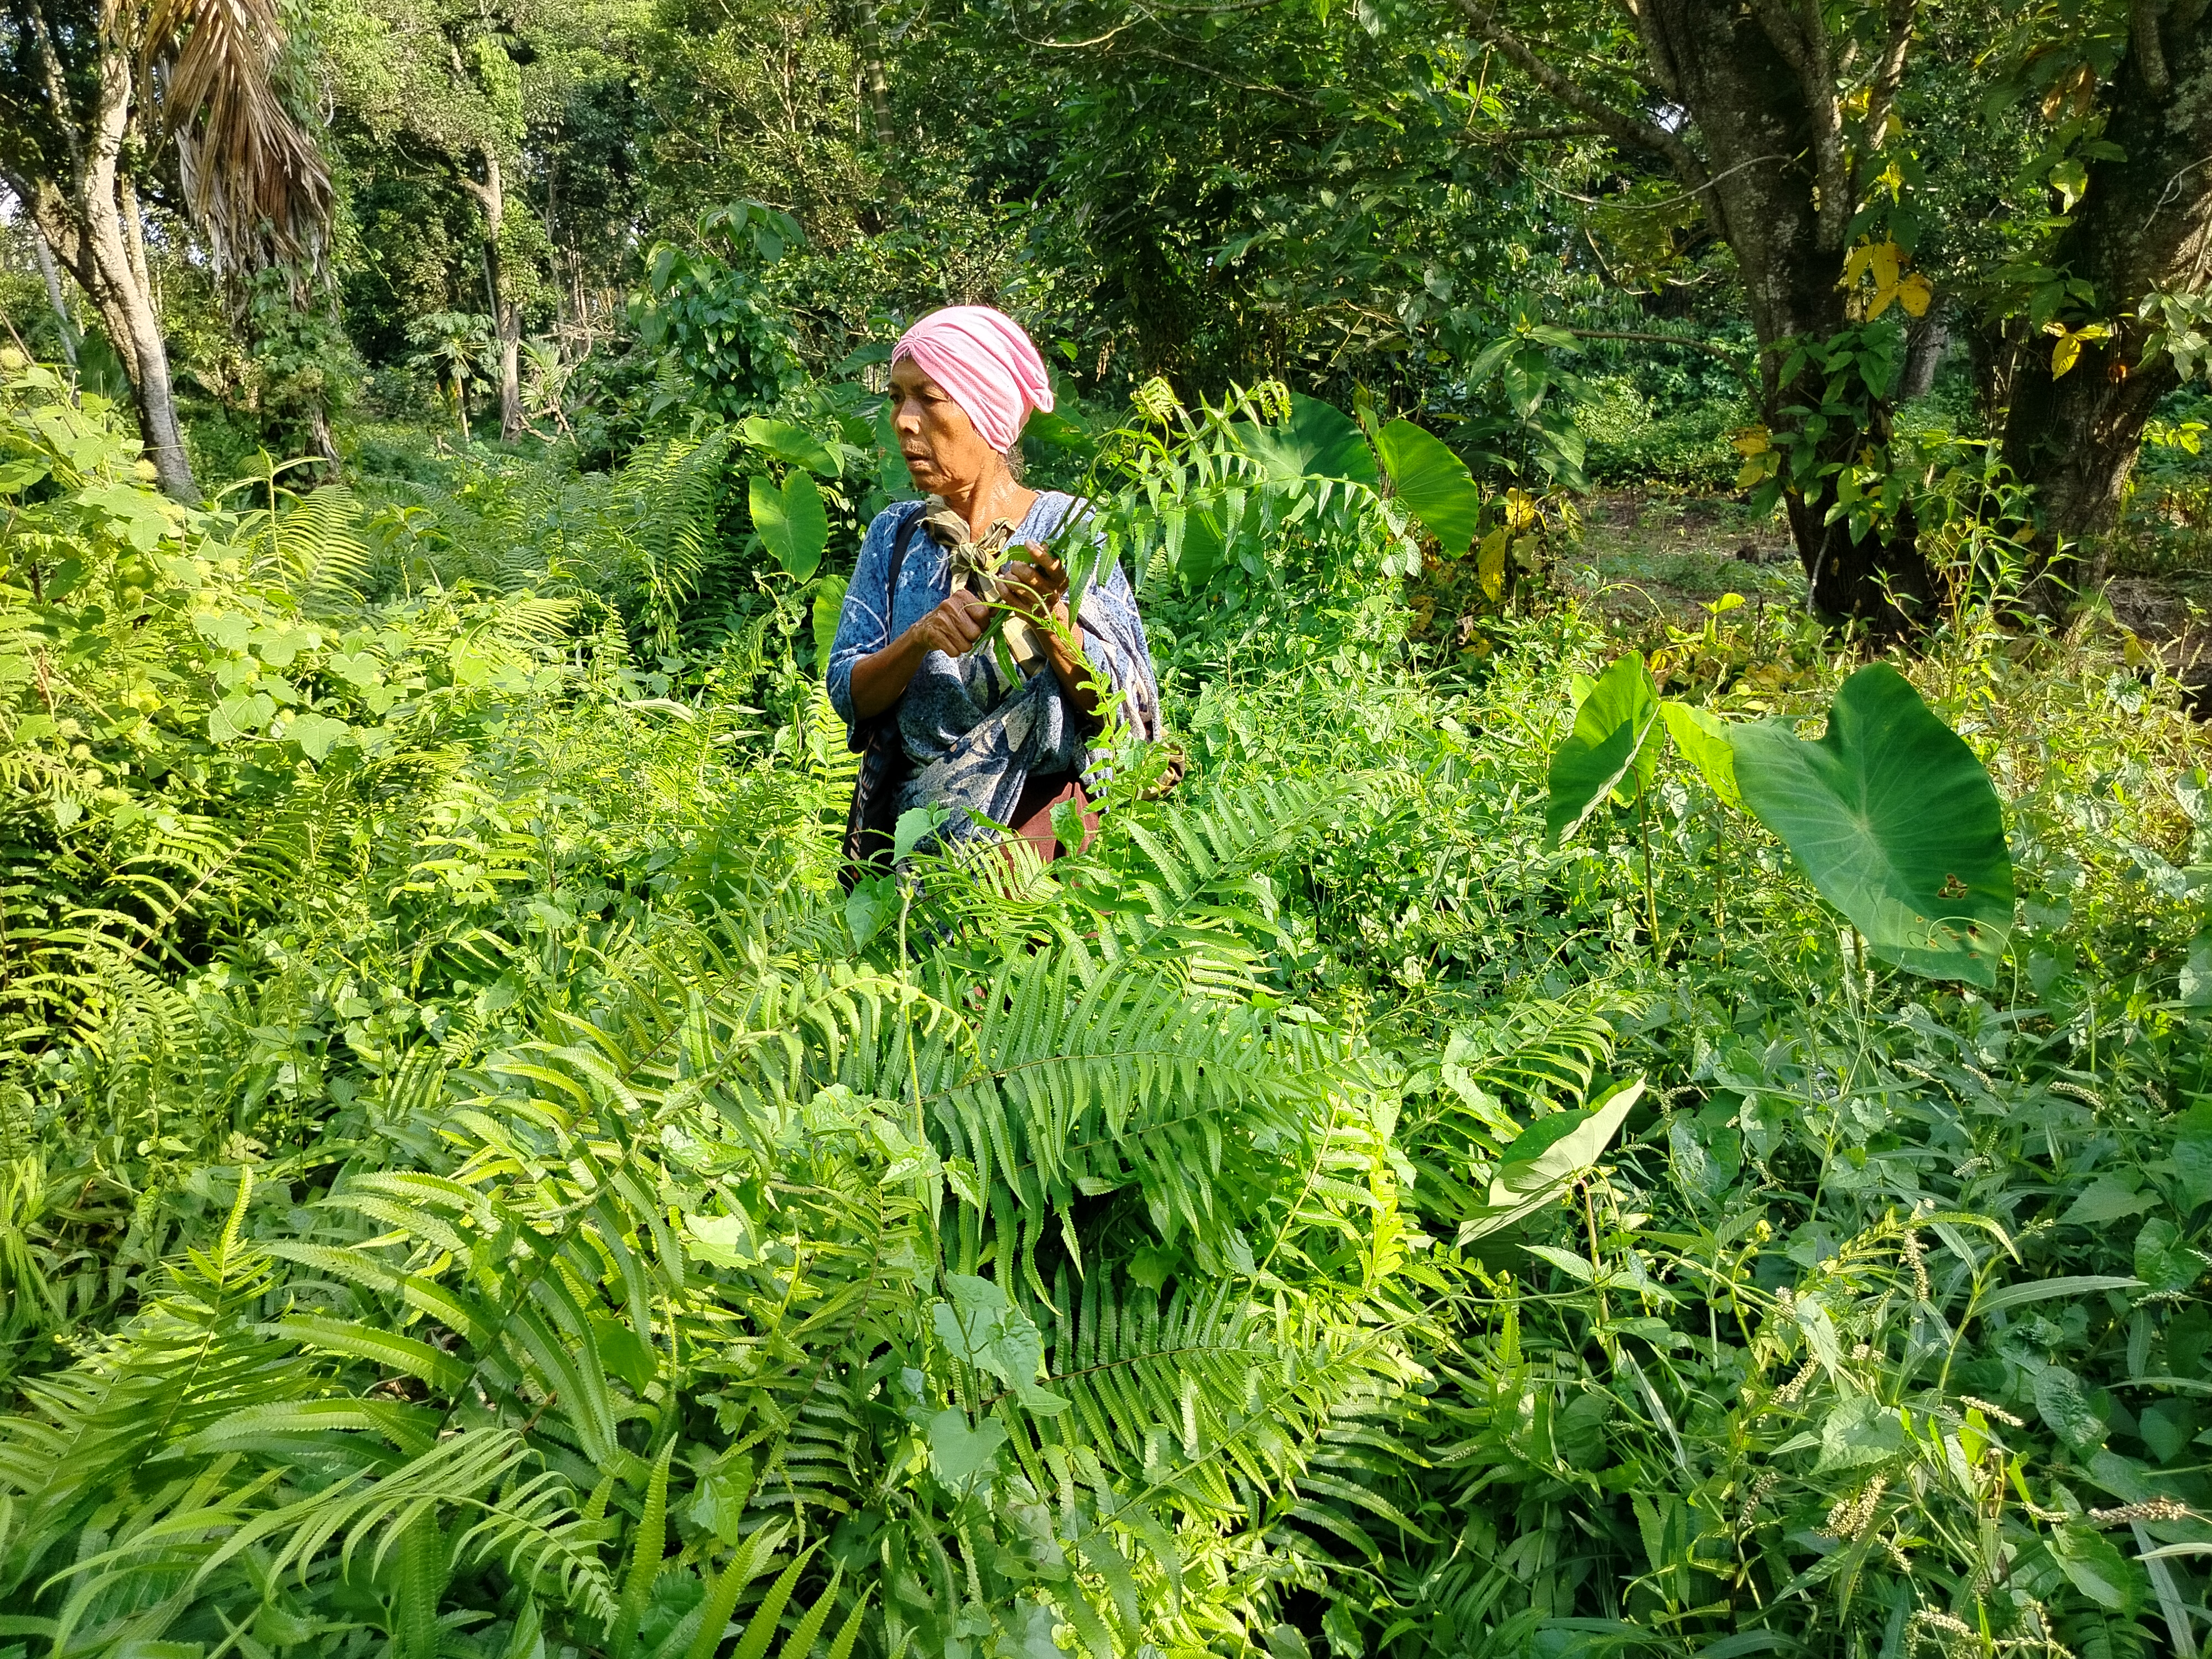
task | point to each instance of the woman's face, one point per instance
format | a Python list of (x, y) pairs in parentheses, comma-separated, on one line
[(944, 454)]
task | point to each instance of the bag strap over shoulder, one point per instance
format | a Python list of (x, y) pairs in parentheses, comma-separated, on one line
[(903, 540), (878, 727)]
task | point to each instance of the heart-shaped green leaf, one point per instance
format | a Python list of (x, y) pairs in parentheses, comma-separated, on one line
[(794, 444), (1433, 482), (791, 522), (1613, 734), (1318, 440), (869, 906), (829, 608), (960, 1453), (1896, 822), (1703, 737), (1547, 1154)]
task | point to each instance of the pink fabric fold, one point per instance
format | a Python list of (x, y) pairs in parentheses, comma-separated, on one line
[(985, 364)]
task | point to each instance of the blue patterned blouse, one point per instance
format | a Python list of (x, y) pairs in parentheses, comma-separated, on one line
[(972, 741)]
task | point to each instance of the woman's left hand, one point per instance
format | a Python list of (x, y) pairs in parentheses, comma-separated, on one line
[(1038, 589)]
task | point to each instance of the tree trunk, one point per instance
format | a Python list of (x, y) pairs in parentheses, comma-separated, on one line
[(1756, 81), (506, 316), (1924, 345), (66, 323), (2144, 226), (1994, 347), (82, 219), (1757, 95)]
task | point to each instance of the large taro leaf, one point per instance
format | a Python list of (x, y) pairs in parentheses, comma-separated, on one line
[(1616, 732), (792, 443), (1895, 821), (1433, 482), (1704, 737), (1317, 441), (792, 521)]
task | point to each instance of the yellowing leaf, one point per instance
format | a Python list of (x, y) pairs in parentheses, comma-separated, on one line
[(1752, 441), (2065, 353), (1520, 510), (1490, 562), (1914, 293), (1881, 260)]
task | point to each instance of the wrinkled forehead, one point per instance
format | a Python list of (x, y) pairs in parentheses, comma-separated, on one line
[(909, 378)]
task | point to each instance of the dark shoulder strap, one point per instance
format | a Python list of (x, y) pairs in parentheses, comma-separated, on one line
[(881, 726), (899, 545)]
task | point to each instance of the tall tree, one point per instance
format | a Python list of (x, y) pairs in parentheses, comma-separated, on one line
[(1774, 117), (2130, 94), (96, 101), (465, 81)]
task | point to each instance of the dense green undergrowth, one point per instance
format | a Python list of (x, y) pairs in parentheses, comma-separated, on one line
[(475, 1186)]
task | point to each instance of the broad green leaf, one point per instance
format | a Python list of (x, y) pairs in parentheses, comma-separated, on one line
[(225, 631), (2195, 985), (315, 733), (828, 609), (793, 443), (621, 1352), (978, 1324), (1433, 482), (1860, 1430), (2064, 1402), (1318, 440), (915, 826), (1612, 734), (1703, 736), (2192, 1153), (142, 516), (872, 903), (2095, 1566), (791, 522), (2110, 1197), (1537, 1165), (1895, 821), (1198, 546), (1056, 432), (720, 1241), (2163, 1262), (959, 1453)]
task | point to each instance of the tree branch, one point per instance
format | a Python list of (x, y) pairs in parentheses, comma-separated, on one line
[(1616, 124), (1664, 69), (2150, 53), (1800, 35), (1889, 73), (1540, 135), (50, 66)]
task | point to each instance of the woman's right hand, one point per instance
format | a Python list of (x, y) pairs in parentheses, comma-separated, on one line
[(953, 626), (881, 678)]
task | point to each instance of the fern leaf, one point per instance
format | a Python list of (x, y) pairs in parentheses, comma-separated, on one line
[(650, 1541)]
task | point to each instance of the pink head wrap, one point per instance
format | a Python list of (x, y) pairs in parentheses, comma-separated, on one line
[(984, 363)]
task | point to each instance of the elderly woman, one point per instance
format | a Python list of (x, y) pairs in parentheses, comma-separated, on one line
[(939, 722)]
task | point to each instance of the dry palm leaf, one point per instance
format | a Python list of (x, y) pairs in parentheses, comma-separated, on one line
[(255, 180)]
